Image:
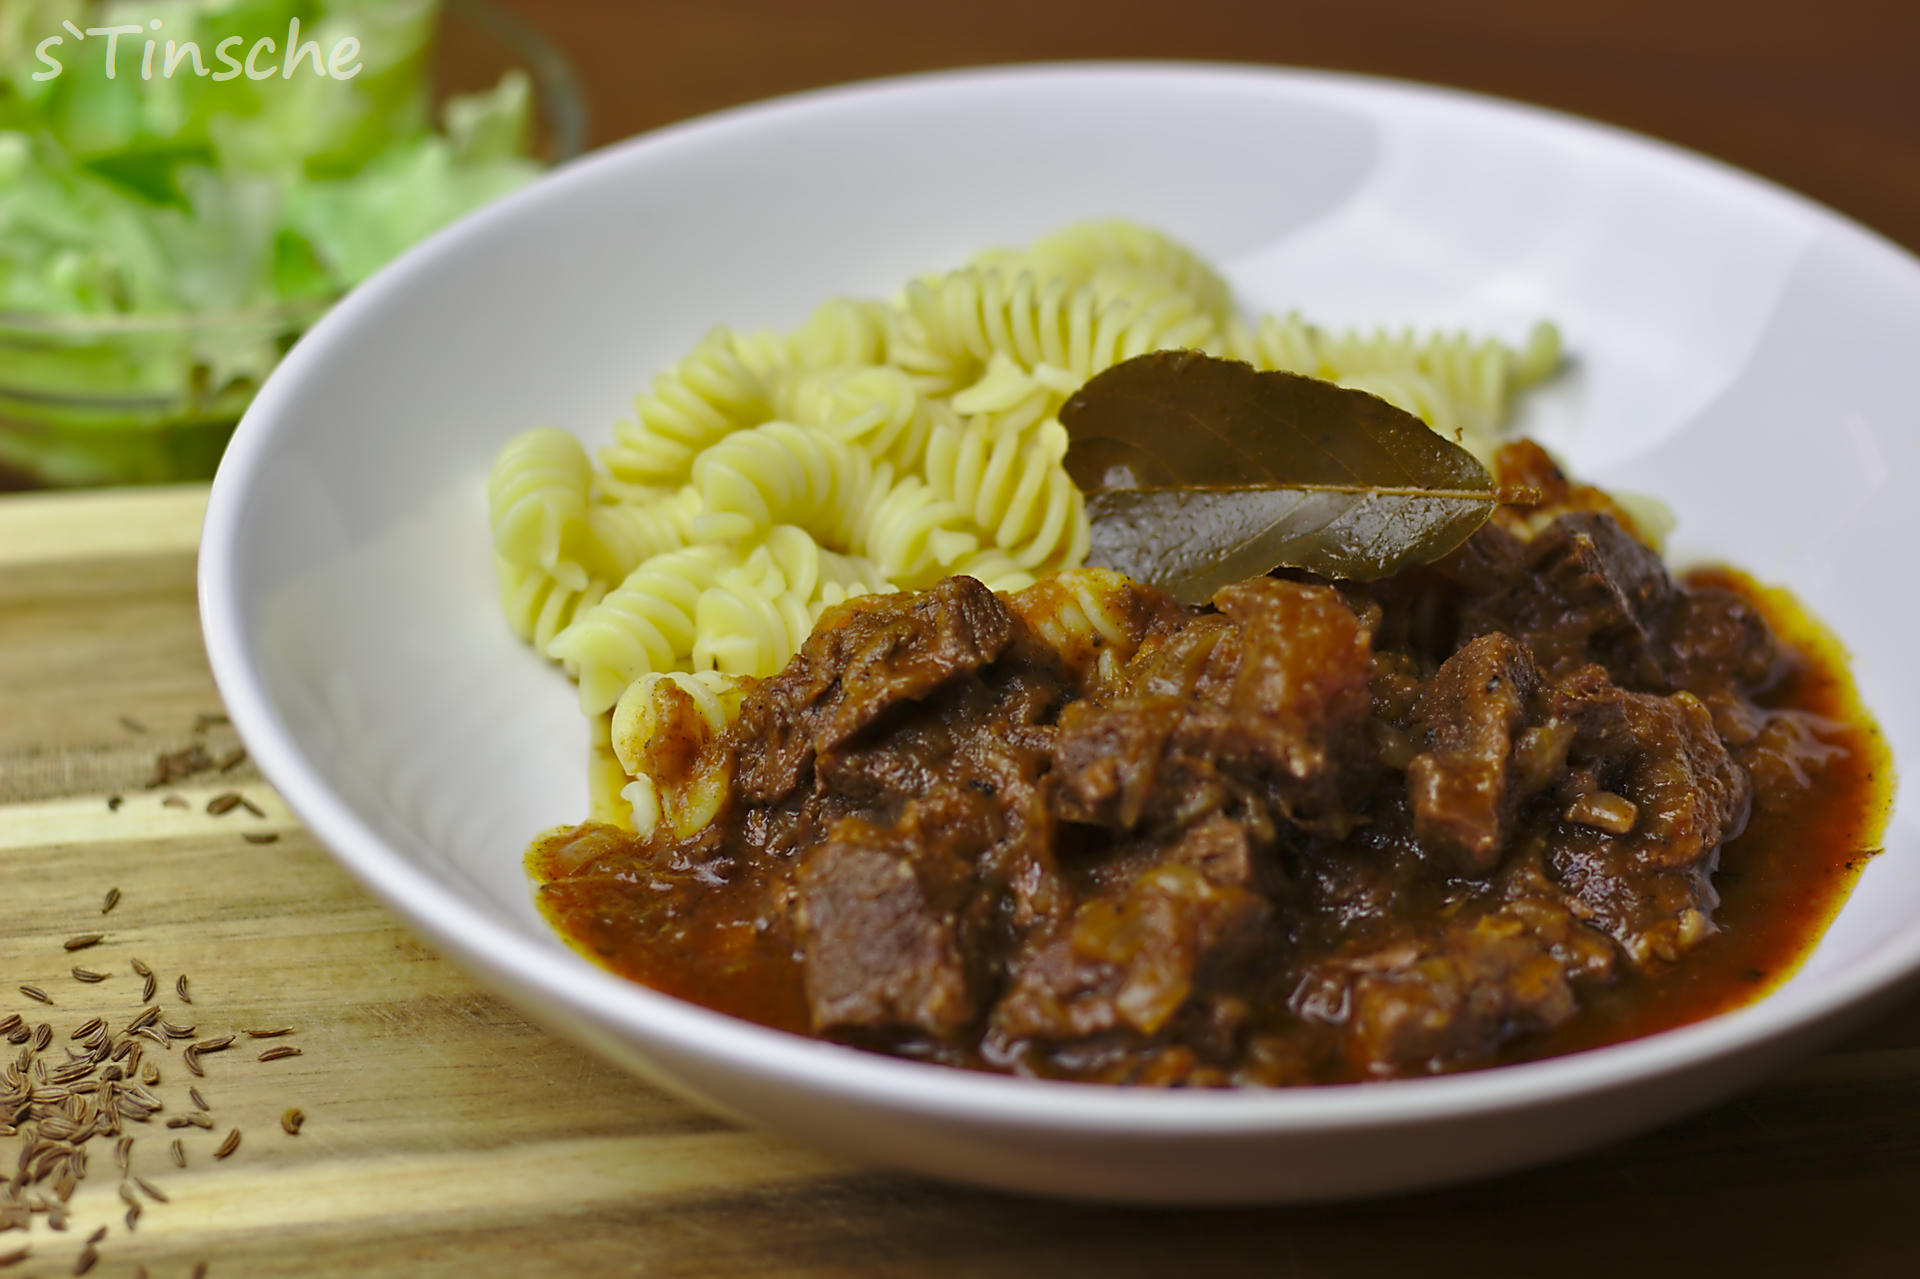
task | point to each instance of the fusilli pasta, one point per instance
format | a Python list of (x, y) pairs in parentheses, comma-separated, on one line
[(537, 497), (883, 445)]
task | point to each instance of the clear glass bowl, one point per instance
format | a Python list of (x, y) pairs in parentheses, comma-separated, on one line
[(88, 400)]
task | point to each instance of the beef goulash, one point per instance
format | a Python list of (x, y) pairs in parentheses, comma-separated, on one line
[(1535, 796)]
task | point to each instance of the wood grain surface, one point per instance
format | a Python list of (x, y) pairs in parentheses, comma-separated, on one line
[(446, 1136)]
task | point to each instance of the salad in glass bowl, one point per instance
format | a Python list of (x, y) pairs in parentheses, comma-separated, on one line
[(186, 185)]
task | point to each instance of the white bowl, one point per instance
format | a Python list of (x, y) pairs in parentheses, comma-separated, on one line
[(1737, 350)]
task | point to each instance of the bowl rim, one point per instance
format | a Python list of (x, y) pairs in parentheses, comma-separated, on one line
[(537, 973)]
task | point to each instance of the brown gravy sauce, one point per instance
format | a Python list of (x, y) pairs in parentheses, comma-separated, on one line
[(1781, 883)]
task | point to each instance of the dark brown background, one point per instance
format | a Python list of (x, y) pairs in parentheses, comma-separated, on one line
[(1820, 95)]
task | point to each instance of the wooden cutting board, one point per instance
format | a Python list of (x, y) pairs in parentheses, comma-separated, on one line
[(446, 1136)]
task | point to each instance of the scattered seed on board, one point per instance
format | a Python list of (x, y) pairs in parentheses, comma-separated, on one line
[(260, 837), (112, 898), (292, 1120), (15, 1257), (114, 802), (174, 801), (151, 1075), (152, 1191), (42, 1036), (172, 766), (180, 989), (147, 991), (87, 1028), (223, 803), (270, 1034), (88, 1256), (34, 992), (276, 1054), (140, 969), (233, 759), (199, 1102), (179, 1153), (221, 1044), (88, 975), (227, 1147), (252, 807), (83, 941), (96, 1236)]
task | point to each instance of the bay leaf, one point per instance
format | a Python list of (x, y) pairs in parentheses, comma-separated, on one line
[(1201, 471)]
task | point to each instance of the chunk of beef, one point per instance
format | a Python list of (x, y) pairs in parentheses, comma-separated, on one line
[(1453, 997), (1663, 754), (1467, 719), (873, 653), (1650, 887), (1299, 700), (1256, 706), (1714, 639), (877, 921), (1593, 593), (1131, 959)]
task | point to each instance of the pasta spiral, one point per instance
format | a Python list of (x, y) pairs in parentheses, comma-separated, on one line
[(1015, 487), (707, 395), (1117, 256), (954, 325), (537, 605), (781, 473), (537, 496), (683, 712), (746, 629), (1012, 399), (842, 331), (873, 407), (645, 624), (622, 534)]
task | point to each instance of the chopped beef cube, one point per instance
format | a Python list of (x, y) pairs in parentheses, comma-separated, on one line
[(876, 652), (877, 921), (1467, 718)]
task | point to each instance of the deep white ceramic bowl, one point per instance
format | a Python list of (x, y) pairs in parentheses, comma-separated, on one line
[(1736, 350)]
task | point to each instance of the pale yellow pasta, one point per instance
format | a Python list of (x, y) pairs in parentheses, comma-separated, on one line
[(1463, 387), (912, 533), (842, 331), (620, 535), (1117, 256), (537, 605), (1016, 488), (952, 327), (703, 398), (1009, 398), (770, 476), (537, 494), (994, 569), (646, 624), (693, 709), (789, 559), (873, 407), (744, 629), (781, 473)]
